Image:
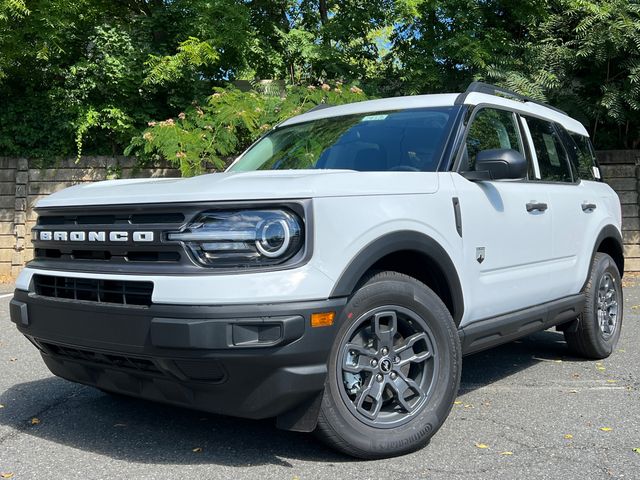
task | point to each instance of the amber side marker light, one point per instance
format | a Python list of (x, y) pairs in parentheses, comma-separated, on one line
[(324, 319)]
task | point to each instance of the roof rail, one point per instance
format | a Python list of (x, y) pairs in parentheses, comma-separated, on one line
[(480, 87)]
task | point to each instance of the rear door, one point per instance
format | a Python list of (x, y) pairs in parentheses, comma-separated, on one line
[(506, 225), (575, 203)]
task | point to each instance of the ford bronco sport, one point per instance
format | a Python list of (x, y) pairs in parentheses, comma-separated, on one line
[(334, 276)]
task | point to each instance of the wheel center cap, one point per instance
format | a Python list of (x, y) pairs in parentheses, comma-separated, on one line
[(385, 365)]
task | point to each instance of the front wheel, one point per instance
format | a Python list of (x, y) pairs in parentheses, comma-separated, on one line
[(600, 324), (393, 372)]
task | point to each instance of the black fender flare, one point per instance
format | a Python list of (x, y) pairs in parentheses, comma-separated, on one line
[(406, 240), (608, 231)]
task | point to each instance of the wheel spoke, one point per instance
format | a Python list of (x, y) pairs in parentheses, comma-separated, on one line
[(401, 385), (385, 325), (373, 394), (357, 359), (407, 353)]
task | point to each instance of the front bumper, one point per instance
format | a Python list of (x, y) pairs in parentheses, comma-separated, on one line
[(253, 361)]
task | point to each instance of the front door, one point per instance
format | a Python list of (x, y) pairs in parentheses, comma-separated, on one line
[(506, 226)]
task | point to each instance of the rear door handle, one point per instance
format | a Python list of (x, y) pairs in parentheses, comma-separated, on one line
[(536, 207), (588, 207)]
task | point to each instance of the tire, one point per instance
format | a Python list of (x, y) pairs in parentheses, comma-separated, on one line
[(396, 336), (600, 323)]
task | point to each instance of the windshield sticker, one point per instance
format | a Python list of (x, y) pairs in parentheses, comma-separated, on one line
[(373, 118)]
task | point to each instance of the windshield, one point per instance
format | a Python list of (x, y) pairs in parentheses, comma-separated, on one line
[(407, 140)]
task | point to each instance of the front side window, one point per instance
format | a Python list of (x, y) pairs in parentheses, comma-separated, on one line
[(553, 160), (406, 140), (490, 129)]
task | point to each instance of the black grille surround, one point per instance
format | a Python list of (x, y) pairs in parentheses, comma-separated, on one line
[(160, 256), (118, 292)]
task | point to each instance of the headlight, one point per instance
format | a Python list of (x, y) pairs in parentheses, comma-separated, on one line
[(243, 238)]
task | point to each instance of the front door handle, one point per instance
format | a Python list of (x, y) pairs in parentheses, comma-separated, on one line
[(588, 207), (536, 207)]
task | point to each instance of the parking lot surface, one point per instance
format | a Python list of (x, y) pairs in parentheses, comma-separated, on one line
[(525, 410)]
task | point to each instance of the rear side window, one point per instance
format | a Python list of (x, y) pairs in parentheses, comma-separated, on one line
[(491, 129), (552, 157)]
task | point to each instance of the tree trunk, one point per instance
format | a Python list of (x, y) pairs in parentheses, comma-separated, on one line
[(324, 11)]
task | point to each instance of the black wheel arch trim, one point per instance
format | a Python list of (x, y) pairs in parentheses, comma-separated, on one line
[(609, 231), (406, 240)]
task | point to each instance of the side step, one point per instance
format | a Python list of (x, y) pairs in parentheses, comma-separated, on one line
[(495, 331)]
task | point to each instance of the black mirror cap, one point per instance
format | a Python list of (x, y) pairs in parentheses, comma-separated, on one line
[(502, 164)]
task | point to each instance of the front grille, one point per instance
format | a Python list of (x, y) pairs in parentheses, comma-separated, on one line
[(94, 253), (94, 290), (104, 359)]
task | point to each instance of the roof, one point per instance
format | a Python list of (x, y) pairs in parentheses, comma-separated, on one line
[(441, 100)]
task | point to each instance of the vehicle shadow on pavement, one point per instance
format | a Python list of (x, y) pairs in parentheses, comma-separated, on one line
[(490, 366), (145, 432)]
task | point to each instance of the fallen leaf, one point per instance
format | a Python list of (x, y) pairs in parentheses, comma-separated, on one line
[(636, 450), (602, 369), (568, 436), (35, 421), (468, 405), (6, 475), (1, 406), (457, 402), (558, 361), (13, 359), (506, 453), (576, 375), (119, 425), (635, 307), (612, 381), (197, 450), (606, 429), (482, 445), (573, 391)]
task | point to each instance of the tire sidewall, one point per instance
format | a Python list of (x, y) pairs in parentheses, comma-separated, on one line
[(382, 442)]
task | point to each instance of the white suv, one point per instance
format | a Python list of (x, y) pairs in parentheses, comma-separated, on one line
[(336, 273)]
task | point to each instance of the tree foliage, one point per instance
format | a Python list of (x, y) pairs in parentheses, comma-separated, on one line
[(230, 120), (87, 76)]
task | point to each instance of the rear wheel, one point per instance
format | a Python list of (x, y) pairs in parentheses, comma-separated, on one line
[(394, 369), (600, 324)]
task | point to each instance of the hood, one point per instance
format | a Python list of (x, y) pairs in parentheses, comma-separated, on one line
[(240, 186)]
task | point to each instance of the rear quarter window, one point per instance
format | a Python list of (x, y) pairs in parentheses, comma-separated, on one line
[(583, 156)]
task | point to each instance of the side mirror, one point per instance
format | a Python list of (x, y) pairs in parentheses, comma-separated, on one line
[(498, 164)]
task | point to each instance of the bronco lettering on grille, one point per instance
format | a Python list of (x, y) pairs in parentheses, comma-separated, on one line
[(79, 236)]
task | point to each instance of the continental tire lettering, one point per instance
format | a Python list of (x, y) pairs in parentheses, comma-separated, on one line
[(396, 444)]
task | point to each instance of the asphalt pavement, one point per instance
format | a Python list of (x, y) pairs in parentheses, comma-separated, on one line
[(526, 410)]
